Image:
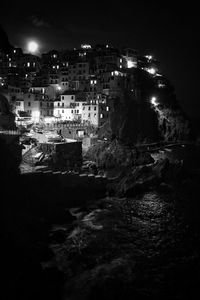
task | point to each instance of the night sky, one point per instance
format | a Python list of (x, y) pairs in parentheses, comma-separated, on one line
[(168, 31)]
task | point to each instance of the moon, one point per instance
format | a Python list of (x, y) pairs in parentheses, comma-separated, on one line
[(33, 47)]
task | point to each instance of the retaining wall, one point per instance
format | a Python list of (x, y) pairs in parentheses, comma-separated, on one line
[(63, 187)]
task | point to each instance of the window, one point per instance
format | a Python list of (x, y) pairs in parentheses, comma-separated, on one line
[(72, 97), (29, 103), (63, 111), (63, 97), (62, 104), (95, 108), (107, 108), (88, 107), (77, 111), (88, 115), (72, 111), (58, 104), (101, 116)]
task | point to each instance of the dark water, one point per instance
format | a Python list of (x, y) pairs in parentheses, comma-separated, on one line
[(168, 236), (166, 229)]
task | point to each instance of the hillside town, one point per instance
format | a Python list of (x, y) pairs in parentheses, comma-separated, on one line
[(63, 102), (100, 177), (76, 85)]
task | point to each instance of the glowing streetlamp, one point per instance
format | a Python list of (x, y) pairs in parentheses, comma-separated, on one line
[(154, 101), (32, 47), (151, 71)]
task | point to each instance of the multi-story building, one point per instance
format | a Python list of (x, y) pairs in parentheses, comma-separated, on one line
[(64, 106)]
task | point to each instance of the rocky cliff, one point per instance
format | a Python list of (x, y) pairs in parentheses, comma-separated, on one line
[(134, 118)]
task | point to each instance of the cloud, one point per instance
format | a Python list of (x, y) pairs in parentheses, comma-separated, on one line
[(38, 22)]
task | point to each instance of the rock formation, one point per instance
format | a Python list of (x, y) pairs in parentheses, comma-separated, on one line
[(133, 118)]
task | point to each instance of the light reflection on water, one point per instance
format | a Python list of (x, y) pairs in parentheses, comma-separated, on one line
[(167, 242)]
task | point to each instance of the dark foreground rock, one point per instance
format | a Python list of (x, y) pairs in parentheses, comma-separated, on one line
[(134, 248), (138, 179), (110, 155)]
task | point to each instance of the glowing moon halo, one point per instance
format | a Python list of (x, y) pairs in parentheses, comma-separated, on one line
[(32, 46)]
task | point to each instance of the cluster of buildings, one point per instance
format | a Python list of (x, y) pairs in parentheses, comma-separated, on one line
[(72, 85)]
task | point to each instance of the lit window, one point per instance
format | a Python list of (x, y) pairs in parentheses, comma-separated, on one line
[(101, 116), (107, 108)]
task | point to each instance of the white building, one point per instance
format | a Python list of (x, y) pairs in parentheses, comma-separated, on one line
[(90, 113), (64, 106), (38, 106)]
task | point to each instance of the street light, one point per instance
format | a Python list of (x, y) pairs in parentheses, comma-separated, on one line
[(154, 101)]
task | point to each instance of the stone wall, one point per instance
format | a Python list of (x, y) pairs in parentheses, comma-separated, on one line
[(65, 156), (63, 187)]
